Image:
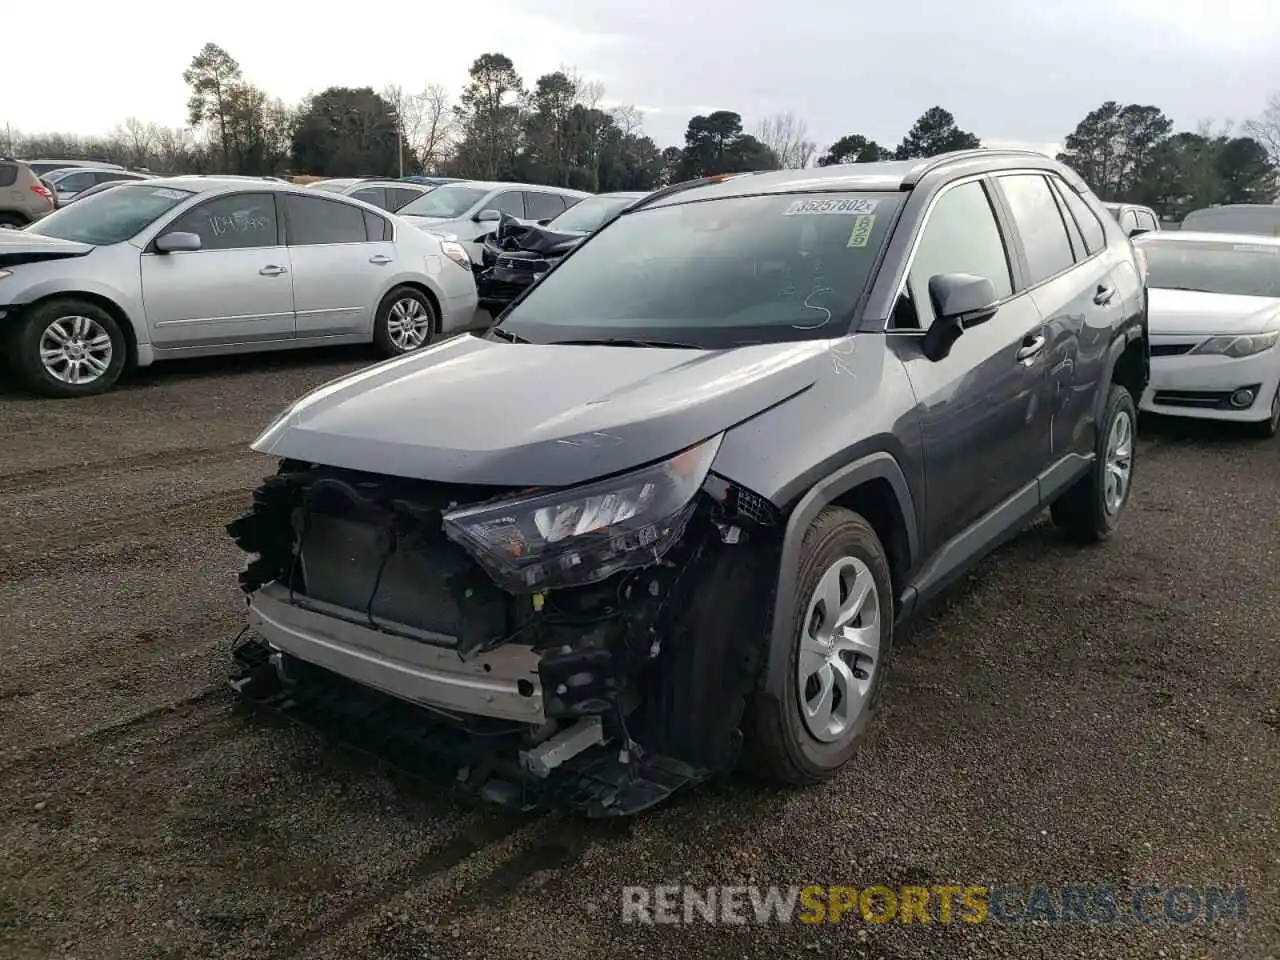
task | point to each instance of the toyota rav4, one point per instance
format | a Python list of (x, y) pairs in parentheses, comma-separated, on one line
[(665, 515)]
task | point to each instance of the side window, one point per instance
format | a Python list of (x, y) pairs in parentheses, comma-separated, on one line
[(235, 222), (1128, 220), (313, 220), (375, 195), (1039, 223), (1086, 220), (960, 236), (1145, 220), (1078, 248), (9, 174), (397, 197), (75, 182), (376, 228), (543, 206), (511, 202)]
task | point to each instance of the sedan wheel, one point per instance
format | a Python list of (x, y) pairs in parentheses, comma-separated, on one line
[(406, 321), (76, 350), (68, 347)]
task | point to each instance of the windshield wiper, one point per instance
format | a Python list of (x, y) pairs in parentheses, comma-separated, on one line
[(507, 335), (626, 342), (1187, 289)]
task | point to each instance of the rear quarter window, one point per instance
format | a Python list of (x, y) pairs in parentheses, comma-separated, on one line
[(8, 174)]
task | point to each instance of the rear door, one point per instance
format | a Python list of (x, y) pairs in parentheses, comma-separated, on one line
[(543, 207), (340, 267), (979, 405), (235, 289)]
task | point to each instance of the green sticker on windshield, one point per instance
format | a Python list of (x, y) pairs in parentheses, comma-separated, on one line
[(861, 233)]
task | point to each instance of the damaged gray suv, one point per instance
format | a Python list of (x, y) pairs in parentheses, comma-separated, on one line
[(665, 515)]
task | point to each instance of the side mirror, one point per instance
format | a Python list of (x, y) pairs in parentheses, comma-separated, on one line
[(544, 221), (488, 216), (178, 242), (960, 301), (1137, 232)]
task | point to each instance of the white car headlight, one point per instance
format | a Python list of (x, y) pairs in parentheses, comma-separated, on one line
[(584, 534), (457, 253), (1237, 347)]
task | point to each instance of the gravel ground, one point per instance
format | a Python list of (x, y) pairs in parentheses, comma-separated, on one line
[(1105, 716)]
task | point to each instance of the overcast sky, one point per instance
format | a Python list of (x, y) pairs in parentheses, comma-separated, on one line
[(1010, 70)]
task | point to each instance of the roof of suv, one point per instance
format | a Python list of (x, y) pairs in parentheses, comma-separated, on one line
[(503, 185), (884, 176)]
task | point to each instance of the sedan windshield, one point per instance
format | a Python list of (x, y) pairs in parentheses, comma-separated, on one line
[(715, 273), (587, 216), (1242, 269), (447, 202), (111, 216)]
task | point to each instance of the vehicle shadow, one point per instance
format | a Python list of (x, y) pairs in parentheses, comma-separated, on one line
[(1183, 430)]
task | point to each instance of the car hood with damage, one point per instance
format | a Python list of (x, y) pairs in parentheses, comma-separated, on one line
[(22, 246), (476, 411), (516, 237)]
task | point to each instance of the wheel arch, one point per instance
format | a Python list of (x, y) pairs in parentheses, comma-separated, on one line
[(426, 290), (106, 304), (873, 486)]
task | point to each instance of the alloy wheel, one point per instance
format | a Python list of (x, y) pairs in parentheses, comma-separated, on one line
[(408, 324), (839, 650), (75, 350)]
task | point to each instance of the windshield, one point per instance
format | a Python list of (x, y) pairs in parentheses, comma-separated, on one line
[(588, 215), (111, 216), (447, 202), (1241, 269), (715, 273)]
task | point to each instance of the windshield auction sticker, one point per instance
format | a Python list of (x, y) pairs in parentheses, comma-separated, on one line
[(863, 224), (846, 206)]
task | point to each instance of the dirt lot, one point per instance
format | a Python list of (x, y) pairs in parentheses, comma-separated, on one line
[(1105, 716)]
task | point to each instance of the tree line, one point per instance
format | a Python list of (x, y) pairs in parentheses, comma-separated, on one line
[(558, 131)]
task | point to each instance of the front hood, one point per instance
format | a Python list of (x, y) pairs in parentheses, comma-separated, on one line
[(477, 411), (22, 246), (1188, 313), (426, 221)]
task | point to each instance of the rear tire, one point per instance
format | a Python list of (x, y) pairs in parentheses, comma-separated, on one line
[(1090, 510), (1266, 429), (845, 613), (68, 348), (12, 220), (406, 321)]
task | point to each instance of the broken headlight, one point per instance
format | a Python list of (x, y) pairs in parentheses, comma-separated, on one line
[(584, 534)]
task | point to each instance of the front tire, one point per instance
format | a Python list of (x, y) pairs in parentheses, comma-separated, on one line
[(406, 321), (1091, 509), (841, 637), (68, 348)]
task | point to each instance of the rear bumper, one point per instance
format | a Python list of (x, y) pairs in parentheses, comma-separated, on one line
[(503, 683), (1200, 386)]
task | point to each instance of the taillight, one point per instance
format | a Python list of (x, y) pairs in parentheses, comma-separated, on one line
[(41, 190)]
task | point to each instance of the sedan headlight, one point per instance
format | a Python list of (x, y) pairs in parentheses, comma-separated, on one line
[(456, 252), (582, 535), (1237, 347)]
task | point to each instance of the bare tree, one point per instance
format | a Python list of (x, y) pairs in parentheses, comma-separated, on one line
[(1266, 127), (434, 138), (137, 140), (408, 108), (628, 119), (787, 136)]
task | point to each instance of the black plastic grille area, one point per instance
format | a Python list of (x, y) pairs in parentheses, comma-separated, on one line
[(351, 563), (1200, 399)]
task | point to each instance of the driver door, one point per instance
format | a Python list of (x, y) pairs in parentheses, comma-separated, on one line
[(237, 288), (980, 406)]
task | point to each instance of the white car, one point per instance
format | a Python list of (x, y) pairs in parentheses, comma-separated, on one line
[(193, 266), (467, 212), (1214, 315), (70, 183)]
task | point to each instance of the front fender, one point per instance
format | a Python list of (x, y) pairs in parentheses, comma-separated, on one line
[(127, 303), (873, 466)]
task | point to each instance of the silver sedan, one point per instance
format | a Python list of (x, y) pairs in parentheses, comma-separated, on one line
[(194, 266)]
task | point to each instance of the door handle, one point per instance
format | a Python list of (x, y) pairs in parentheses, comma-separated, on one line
[(1030, 347), (1104, 294), (271, 270), (379, 258)]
